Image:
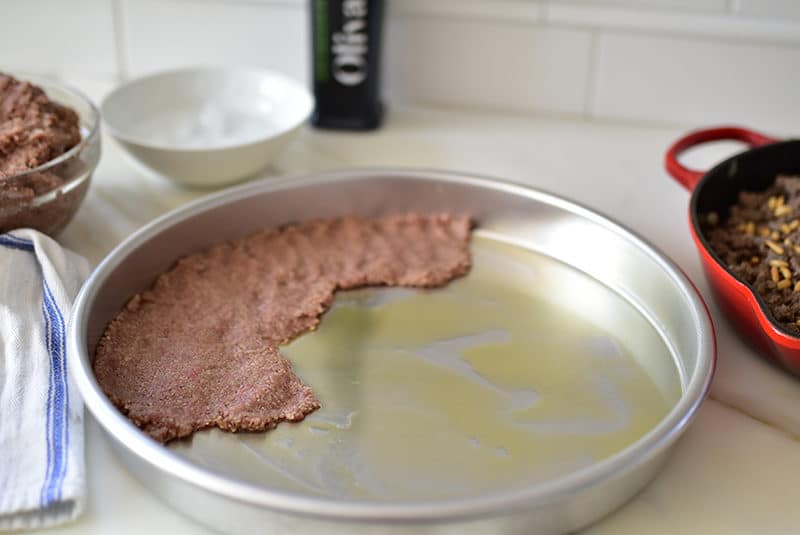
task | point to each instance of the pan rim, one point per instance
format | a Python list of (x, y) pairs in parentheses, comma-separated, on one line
[(655, 441)]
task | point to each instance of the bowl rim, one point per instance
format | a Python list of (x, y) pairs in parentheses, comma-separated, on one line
[(94, 131), (120, 134), (117, 427)]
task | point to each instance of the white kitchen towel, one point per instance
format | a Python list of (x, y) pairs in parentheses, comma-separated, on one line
[(42, 479)]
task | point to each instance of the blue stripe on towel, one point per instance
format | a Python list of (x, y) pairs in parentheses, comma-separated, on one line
[(60, 399), (16, 243), (49, 405), (57, 425)]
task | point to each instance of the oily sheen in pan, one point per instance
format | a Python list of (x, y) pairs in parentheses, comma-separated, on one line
[(200, 347)]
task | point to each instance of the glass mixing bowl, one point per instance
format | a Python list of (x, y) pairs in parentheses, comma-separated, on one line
[(50, 211)]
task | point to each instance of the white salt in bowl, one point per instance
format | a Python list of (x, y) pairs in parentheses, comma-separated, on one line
[(206, 127)]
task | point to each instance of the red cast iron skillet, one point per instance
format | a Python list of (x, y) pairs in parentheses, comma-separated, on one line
[(716, 191)]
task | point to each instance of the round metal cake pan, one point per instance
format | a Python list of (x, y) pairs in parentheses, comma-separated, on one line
[(605, 251)]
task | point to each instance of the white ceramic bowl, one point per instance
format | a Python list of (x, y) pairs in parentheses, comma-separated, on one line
[(206, 126)]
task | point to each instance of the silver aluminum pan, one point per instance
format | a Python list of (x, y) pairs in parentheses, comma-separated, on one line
[(608, 253)]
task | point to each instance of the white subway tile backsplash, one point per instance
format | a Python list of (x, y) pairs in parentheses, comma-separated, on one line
[(164, 34), (675, 22), (515, 10), (487, 64), (55, 37), (775, 9), (688, 5), (696, 82), (678, 61)]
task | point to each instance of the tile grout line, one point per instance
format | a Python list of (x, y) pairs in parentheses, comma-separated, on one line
[(280, 3), (690, 35), (591, 75), (789, 434), (543, 113), (120, 39)]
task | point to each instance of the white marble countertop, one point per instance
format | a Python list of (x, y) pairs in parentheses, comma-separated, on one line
[(735, 469)]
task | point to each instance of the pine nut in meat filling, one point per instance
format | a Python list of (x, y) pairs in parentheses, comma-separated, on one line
[(777, 249), (783, 210), (774, 274)]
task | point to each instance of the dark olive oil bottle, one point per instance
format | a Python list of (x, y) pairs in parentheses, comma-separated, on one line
[(346, 39)]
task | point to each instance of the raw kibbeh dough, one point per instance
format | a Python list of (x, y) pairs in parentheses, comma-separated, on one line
[(199, 348), (760, 242), (33, 131)]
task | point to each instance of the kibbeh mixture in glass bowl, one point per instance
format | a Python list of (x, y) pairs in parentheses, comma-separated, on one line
[(49, 148)]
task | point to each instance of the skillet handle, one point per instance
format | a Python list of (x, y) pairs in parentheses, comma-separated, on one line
[(690, 177)]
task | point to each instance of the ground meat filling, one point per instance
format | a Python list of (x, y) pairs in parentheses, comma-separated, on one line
[(760, 242), (199, 348)]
